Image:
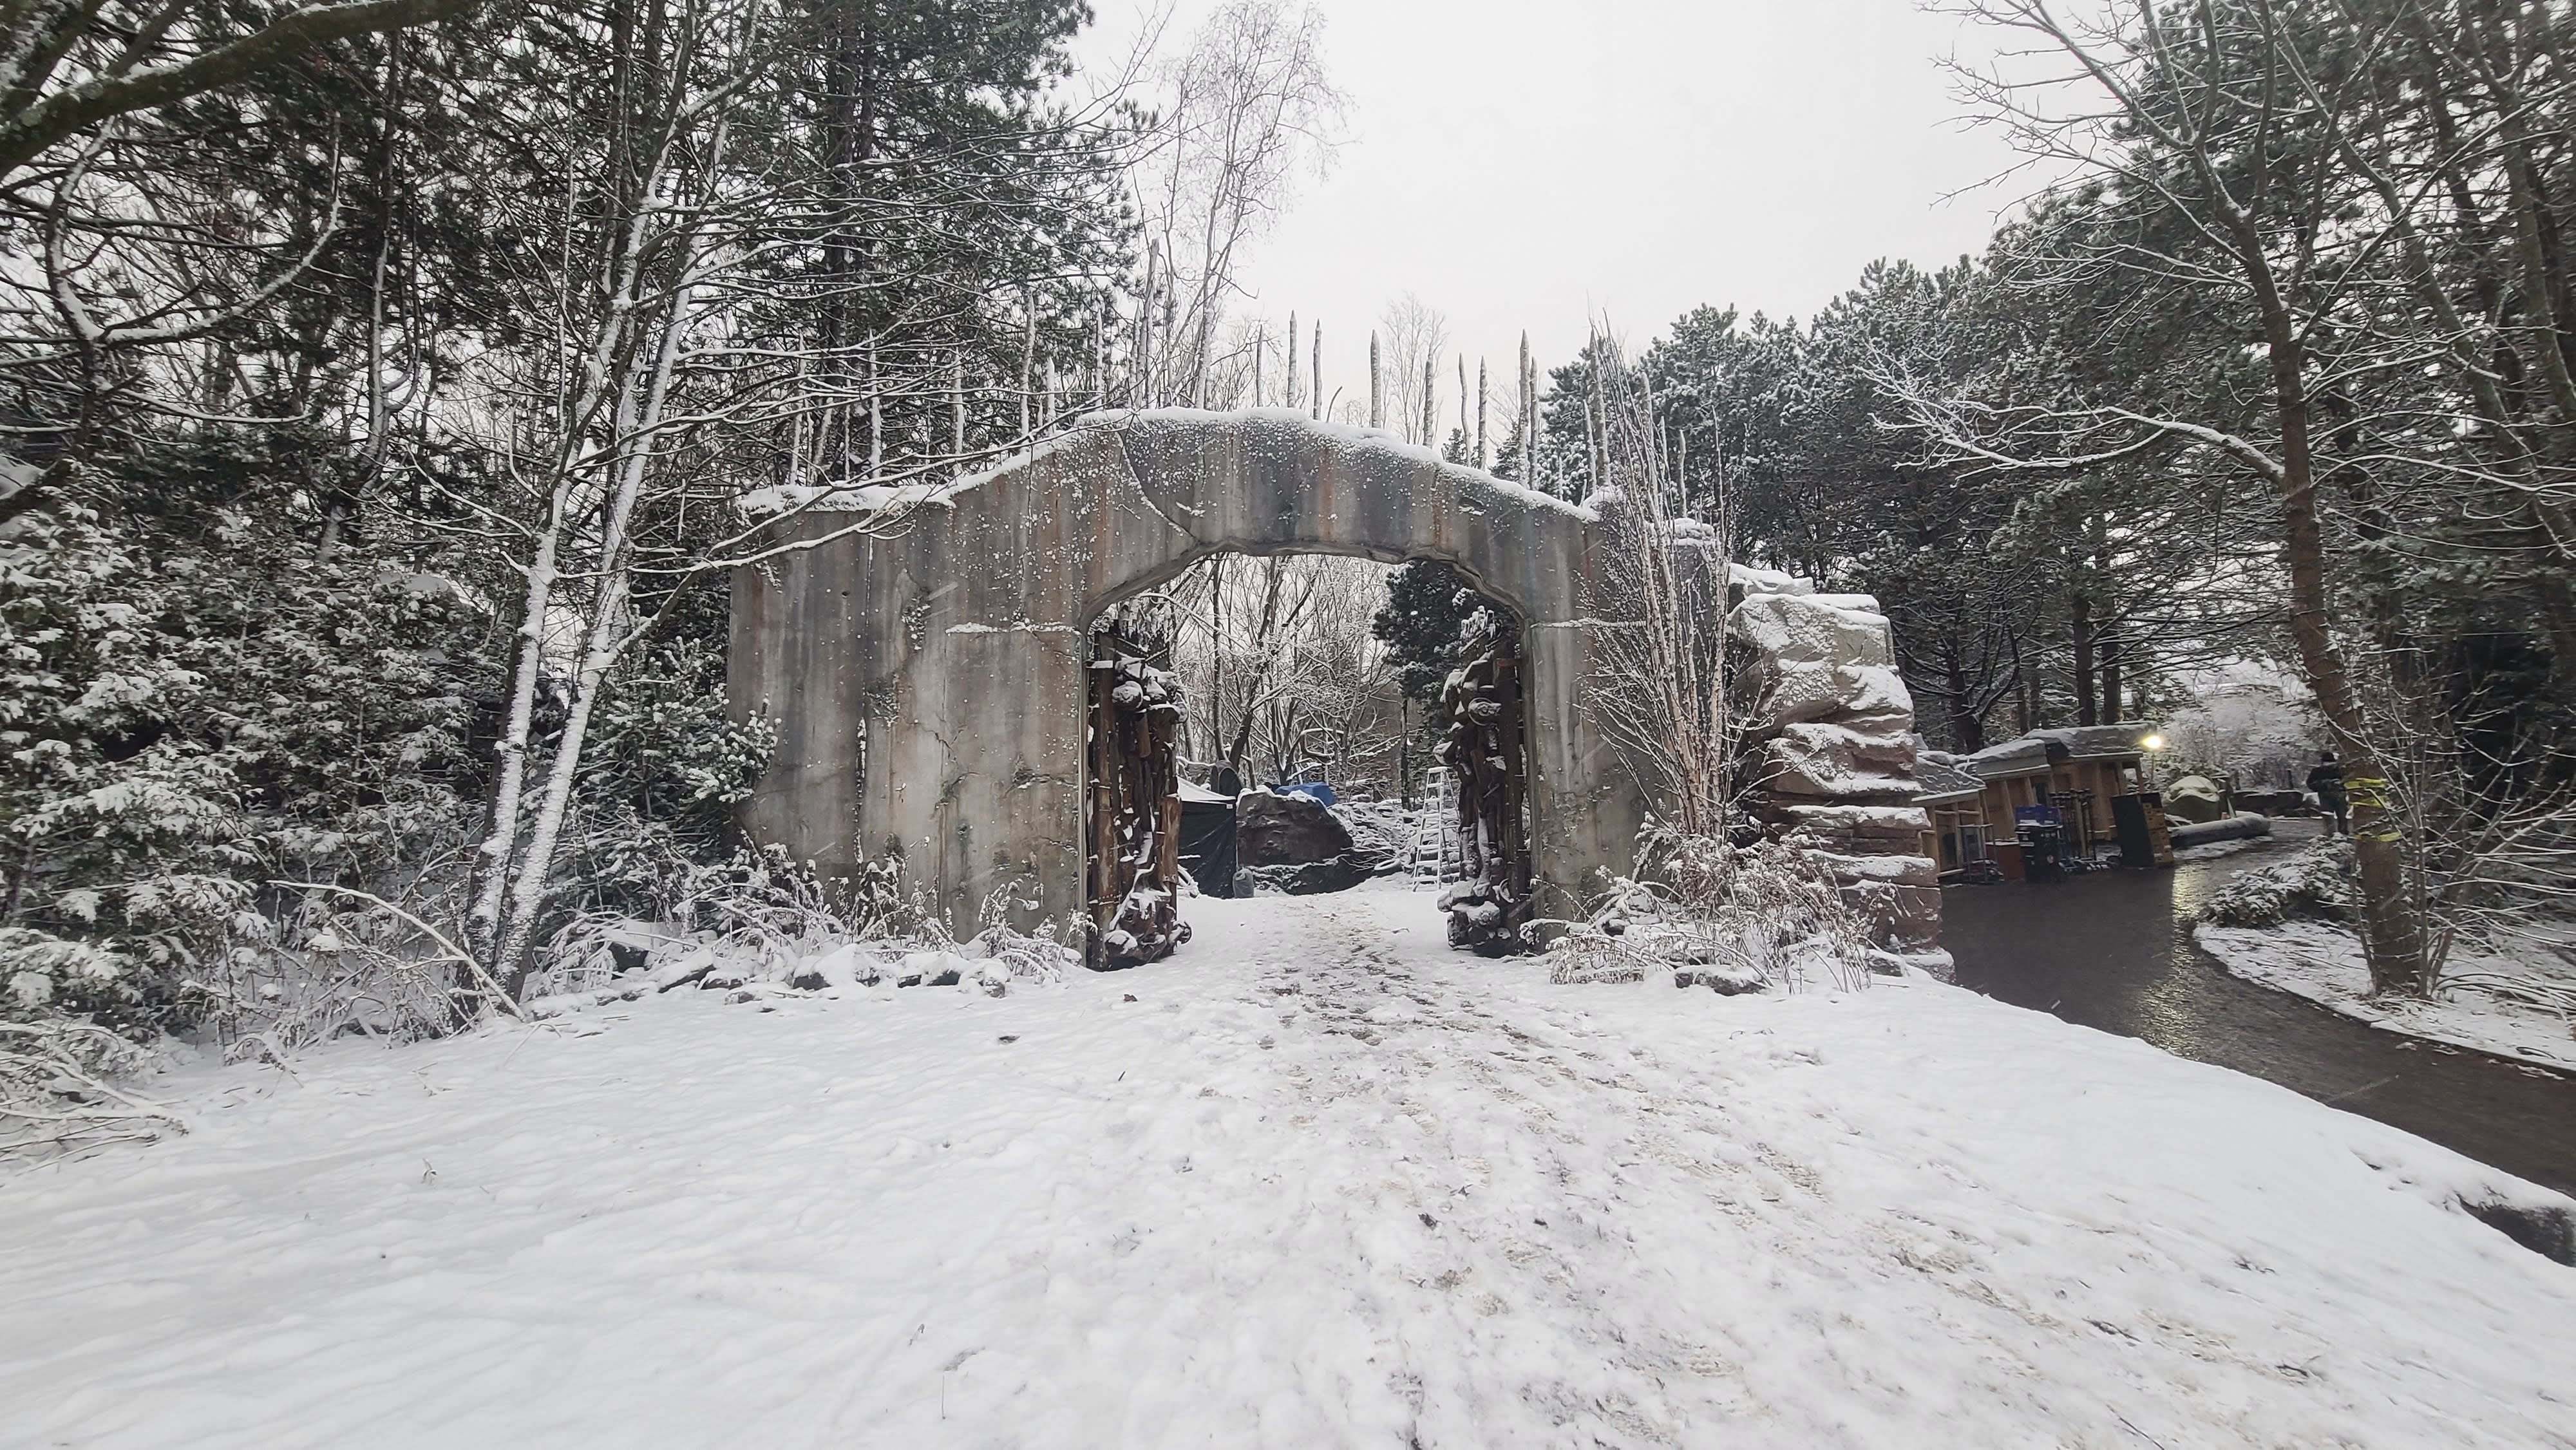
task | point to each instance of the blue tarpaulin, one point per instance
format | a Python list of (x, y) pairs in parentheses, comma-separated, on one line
[(1321, 792)]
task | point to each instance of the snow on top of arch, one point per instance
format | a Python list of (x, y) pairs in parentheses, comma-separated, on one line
[(781, 498), (1341, 437), (1351, 438)]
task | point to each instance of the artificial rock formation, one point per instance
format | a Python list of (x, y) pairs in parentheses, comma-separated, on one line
[(1833, 740), (1488, 909), (1134, 860), (1294, 844), (1291, 829)]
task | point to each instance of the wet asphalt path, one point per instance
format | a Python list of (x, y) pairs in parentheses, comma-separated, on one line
[(2113, 951)]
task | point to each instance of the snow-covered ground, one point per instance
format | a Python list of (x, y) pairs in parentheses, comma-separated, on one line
[(2322, 962), (1315, 1182)]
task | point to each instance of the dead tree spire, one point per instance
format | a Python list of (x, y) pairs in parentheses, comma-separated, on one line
[(1028, 359), (957, 408), (1484, 459), (1377, 388), (876, 414), (1462, 400), (1529, 417)]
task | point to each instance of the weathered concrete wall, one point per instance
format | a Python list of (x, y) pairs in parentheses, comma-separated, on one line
[(928, 682), (926, 667)]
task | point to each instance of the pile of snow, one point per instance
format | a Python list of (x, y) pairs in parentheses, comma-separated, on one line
[(2241, 826), (2315, 883), (1383, 831), (1733, 919), (2212, 850), (2516, 1007), (1314, 1181), (2287, 925)]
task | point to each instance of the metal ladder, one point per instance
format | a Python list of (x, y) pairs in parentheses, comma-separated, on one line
[(1435, 854)]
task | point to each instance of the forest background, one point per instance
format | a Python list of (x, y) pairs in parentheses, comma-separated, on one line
[(389, 387)]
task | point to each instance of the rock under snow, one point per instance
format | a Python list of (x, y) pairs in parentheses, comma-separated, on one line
[(1857, 830), (1804, 690), (1834, 629), (1841, 762), (1286, 830), (2194, 798)]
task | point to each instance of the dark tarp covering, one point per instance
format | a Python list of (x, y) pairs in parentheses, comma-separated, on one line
[(1207, 841)]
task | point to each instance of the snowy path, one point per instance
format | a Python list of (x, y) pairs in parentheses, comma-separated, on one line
[(1322, 1183)]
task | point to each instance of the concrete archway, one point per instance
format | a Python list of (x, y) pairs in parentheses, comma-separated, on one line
[(928, 684)]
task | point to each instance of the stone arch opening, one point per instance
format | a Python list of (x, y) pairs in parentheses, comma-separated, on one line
[(955, 643), (1317, 699), (1165, 574)]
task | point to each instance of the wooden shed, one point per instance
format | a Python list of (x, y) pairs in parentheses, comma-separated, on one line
[(2079, 771), (1953, 800)]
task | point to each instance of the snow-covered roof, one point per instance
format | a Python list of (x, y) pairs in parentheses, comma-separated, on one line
[(2095, 742), (1941, 778), (2022, 755), (2035, 752)]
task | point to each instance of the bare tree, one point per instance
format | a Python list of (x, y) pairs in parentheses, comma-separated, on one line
[(2350, 186), (1248, 104), (1660, 687), (636, 294), (1280, 669), (1416, 334)]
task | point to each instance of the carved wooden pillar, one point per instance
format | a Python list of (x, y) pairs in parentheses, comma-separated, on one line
[(1134, 870), (1488, 909)]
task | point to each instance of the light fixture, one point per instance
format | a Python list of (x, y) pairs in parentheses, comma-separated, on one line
[(2153, 742)]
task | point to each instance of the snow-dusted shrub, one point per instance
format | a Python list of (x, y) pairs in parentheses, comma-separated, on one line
[(1724, 916), (197, 705), (2317, 882), (345, 963), (763, 919), (60, 1088), (1589, 952), (758, 908), (663, 770)]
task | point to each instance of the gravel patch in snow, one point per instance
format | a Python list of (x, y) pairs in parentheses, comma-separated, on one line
[(1314, 1181), (2322, 962)]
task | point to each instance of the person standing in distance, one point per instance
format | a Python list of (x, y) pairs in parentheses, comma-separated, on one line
[(2326, 780)]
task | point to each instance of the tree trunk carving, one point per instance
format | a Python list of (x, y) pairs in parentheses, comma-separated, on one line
[(1490, 906), (1135, 848)]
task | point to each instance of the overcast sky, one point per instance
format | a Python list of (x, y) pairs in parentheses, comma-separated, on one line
[(1531, 165)]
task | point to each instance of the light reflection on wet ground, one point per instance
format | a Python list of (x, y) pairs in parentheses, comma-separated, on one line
[(2113, 951)]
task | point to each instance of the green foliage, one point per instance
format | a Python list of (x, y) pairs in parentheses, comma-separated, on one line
[(193, 708), (279, 647), (1433, 622), (661, 780)]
